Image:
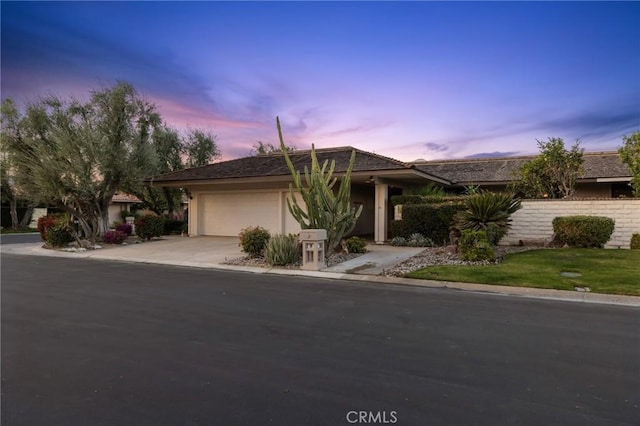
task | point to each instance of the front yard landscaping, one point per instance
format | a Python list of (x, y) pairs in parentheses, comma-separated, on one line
[(599, 270)]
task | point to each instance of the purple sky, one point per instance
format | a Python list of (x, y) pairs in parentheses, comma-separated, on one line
[(403, 79)]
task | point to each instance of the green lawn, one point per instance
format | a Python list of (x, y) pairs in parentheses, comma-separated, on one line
[(602, 270), (17, 231)]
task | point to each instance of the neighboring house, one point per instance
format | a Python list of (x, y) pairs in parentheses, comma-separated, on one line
[(605, 176), (228, 196), (231, 195), (119, 203)]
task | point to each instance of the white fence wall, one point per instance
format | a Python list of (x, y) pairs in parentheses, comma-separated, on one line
[(533, 220)]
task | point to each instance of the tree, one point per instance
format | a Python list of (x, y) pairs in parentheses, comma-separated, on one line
[(324, 208), (77, 155), (630, 155), (261, 148), (175, 152), (201, 148), (553, 173), (9, 192)]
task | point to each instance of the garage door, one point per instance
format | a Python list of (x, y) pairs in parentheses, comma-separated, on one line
[(226, 214)]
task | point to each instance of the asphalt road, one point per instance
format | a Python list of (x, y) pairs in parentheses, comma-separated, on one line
[(87, 342), (19, 238)]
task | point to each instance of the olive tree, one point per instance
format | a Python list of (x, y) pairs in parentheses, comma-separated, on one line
[(76, 155), (630, 155), (553, 173)]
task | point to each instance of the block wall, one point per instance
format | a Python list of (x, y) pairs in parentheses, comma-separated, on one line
[(533, 220)]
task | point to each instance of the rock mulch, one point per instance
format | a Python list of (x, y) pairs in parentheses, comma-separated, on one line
[(433, 256), (334, 259)]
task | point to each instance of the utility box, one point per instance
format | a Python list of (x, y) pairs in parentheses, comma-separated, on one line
[(130, 220), (313, 248)]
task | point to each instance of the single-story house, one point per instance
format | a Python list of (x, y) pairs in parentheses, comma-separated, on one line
[(119, 203), (605, 176), (228, 196)]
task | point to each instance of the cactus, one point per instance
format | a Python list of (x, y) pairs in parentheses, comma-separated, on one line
[(326, 209)]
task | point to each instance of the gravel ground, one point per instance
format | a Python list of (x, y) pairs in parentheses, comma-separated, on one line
[(442, 256), (260, 262)]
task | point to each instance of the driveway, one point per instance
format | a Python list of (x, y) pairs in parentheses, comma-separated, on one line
[(214, 251)]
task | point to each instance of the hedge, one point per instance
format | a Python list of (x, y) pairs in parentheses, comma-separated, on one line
[(431, 220), (583, 231)]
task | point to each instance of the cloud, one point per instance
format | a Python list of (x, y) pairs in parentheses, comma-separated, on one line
[(436, 147)]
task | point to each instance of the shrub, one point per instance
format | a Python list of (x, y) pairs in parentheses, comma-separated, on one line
[(114, 237), (124, 228), (58, 235), (282, 250), (356, 245), (489, 211), (583, 231), (475, 246), (399, 241), (253, 240), (126, 213), (635, 242), (171, 226), (419, 240), (46, 222), (149, 226), (431, 220)]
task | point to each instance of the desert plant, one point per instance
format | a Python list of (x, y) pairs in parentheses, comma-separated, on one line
[(149, 226), (429, 190), (325, 209), (475, 246), (635, 242), (489, 211), (114, 237), (418, 240), (356, 245), (583, 231), (399, 241), (253, 240), (282, 250)]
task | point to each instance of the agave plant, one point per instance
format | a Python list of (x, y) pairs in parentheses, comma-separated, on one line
[(489, 211)]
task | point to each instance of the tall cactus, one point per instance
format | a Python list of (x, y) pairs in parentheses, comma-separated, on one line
[(325, 209)]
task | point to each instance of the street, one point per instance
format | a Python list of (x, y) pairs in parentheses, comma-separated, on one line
[(90, 342)]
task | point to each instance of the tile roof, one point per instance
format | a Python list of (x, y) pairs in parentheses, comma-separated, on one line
[(275, 165), (125, 198), (596, 165)]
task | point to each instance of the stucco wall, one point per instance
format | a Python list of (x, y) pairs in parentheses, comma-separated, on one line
[(533, 221)]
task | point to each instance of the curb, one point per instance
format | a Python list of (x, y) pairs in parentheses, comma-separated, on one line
[(524, 292)]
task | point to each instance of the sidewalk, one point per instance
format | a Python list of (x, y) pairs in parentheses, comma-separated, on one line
[(211, 252)]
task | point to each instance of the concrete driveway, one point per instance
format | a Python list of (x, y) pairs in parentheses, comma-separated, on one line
[(213, 252)]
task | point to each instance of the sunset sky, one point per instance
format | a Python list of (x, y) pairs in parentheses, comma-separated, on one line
[(403, 79)]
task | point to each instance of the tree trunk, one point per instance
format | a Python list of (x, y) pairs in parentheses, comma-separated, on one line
[(13, 210), (171, 207), (26, 218)]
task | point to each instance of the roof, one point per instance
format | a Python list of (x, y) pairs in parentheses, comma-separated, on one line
[(499, 170), (125, 198), (274, 165)]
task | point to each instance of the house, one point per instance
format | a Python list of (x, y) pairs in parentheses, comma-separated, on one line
[(605, 176), (119, 203), (228, 196)]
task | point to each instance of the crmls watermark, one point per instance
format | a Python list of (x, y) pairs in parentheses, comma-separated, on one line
[(372, 417)]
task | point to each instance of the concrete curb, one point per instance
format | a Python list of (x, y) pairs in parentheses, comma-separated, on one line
[(524, 292)]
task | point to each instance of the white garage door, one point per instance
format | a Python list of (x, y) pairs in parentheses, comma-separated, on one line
[(226, 214)]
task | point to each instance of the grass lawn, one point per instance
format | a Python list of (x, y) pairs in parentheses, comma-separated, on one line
[(17, 231), (602, 270)]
